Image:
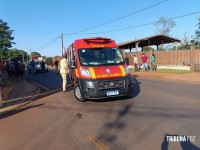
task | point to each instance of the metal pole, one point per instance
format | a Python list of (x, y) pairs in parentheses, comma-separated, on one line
[(62, 43)]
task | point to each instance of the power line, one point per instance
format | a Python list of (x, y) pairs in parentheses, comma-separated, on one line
[(119, 18), (49, 43), (141, 25), (122, 12), (115, 30)]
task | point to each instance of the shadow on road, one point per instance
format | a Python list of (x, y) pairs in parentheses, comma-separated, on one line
[(14, 112), (136, 88), (110, 128), (185, 142)]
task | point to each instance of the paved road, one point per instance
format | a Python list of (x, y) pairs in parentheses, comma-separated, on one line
[(158, 109), (49, 80)]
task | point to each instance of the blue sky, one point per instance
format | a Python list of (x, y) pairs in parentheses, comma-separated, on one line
[(39, 23)]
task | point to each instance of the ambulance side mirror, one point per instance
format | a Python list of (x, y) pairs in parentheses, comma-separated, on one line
[(72, 64)]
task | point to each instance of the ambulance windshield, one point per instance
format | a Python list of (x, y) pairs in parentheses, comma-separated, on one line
[(100, 56)]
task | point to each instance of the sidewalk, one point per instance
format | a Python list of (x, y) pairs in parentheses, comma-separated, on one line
[(16, 93), (188, 77)]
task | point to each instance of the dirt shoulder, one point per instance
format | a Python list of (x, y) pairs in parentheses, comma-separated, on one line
[(16, 93), (189, 77)]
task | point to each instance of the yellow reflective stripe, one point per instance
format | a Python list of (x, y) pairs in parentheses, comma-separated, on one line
[(92, 73), (122, 70), (77, 73)]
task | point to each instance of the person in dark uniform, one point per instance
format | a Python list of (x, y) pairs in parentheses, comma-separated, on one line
[(56, 65), (127, 60)]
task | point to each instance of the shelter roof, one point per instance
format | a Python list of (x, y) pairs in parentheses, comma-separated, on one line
[(148, 41)]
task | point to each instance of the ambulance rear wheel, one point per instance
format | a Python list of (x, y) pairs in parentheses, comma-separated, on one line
[(77, 93)]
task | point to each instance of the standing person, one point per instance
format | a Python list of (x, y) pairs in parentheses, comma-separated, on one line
[(16, 66), (32, 63), (152, 61), (56, 65), (22, 70), (135, 62), (64, 71), (12, 69), (43, 65), (127, 60), (8, 69), (144, 59)]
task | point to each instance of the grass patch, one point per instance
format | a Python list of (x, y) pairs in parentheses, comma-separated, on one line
[(172, 71)]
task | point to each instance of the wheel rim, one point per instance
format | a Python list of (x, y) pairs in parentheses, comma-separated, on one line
[(78, 92)]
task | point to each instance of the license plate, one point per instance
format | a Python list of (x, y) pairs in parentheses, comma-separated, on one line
[(114, 92)]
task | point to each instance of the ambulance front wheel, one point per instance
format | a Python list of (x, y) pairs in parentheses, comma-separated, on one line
[(77, 93)]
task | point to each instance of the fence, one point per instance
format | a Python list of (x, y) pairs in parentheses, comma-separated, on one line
[(174, 57)]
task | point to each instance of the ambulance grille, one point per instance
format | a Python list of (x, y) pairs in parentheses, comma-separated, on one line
[(111, 85)]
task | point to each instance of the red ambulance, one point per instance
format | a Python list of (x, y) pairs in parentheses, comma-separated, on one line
[(98, 70)]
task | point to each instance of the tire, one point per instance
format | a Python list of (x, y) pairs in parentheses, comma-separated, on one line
[(77, 93)]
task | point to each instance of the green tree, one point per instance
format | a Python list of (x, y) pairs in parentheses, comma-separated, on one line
[(3, 54), (196, 38), (147, 49), (5, 36), (164, 26), (14, 54), (35, 54)]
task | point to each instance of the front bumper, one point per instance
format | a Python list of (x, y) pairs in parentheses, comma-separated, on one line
[(97, 89)]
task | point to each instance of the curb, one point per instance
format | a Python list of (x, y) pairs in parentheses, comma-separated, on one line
[(165, 76), (1, 105), (147, 76), (17, 106)]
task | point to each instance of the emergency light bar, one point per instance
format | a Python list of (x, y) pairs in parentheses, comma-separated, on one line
[(97, 40)]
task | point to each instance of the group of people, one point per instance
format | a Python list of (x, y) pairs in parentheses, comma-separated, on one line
[(15, 69), (144, 60)]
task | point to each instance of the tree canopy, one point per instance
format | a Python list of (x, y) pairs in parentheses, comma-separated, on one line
[(196, 37), (35, 54), (5, 36), (13, 54), (164, 26), (147, 49)]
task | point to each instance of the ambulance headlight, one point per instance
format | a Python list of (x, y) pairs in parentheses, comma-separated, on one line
[(85, 72), (127, 70)]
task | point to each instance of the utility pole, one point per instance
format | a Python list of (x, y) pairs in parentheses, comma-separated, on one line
[(62, 43)]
